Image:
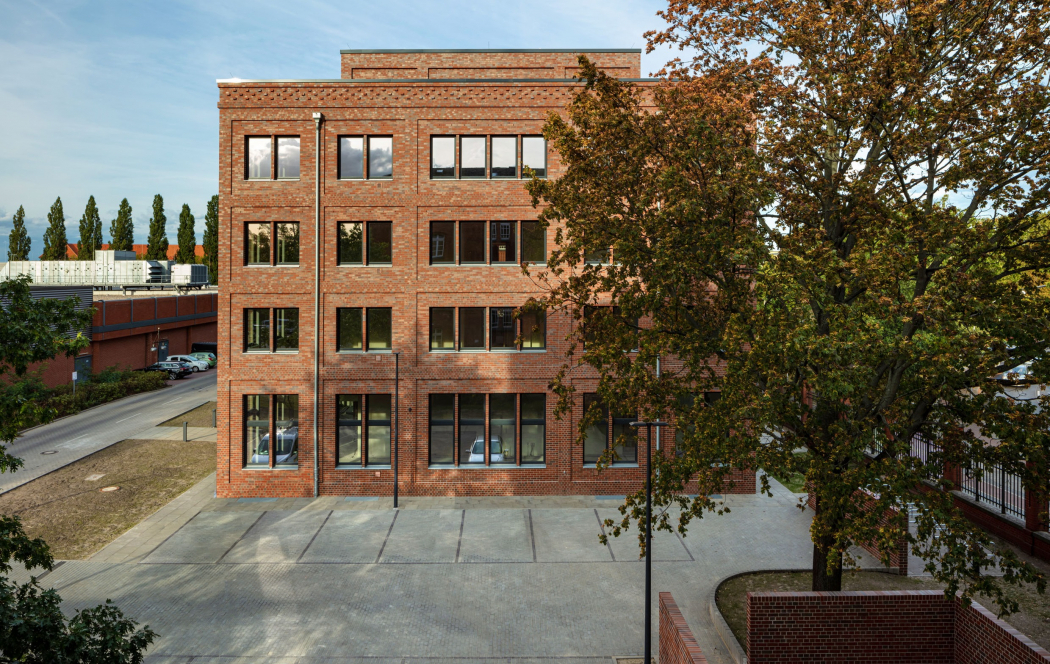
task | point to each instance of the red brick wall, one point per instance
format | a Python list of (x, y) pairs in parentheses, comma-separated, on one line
[(854, 627), (677, 644), (410, 112), (899, 556), (906, 626)]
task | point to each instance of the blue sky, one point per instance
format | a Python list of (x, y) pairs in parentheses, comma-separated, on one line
[(117, 99)]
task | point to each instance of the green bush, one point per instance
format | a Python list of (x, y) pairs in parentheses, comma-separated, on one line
[(108, 385)]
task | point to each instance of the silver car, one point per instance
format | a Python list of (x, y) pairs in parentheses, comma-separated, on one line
[(287, 449), (477, 450)]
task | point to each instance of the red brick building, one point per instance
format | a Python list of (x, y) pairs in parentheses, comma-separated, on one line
[(391, 202)]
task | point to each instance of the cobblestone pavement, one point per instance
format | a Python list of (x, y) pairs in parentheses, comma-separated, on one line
[(513, 580)]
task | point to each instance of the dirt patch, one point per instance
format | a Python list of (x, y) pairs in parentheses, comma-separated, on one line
[(72, 514), (1033, 619), (201, 416)]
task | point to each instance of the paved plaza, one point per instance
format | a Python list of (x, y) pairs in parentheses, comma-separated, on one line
[(458, 580)]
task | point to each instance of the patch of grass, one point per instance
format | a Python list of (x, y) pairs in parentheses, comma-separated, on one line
[(795, 482), (198, 417), (732, 595), (76, 519)]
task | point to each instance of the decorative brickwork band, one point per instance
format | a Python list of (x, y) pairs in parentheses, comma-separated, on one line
[(677, 645)]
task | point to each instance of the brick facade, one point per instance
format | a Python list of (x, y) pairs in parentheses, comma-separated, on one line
[(677, 643), (409, 96), (899, 556), (905, 627)]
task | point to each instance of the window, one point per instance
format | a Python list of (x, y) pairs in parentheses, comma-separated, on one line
[(379, 242), (379, 328), (442, 428), (288, 158), (533, 428), (472, 328), (501, 236), (256, 430), (472, 242), (287, 243), (258, 244), (260, 155), (443, 157), (348, 430), (377, 433), (380, 157), (258, 426), (442, 242), (351, 157), (286, 329), (533, 243), (257, 329), (480, 157), (504, 157), (609, 319), (534, 155), (472, 429), (503, 428), (533, 330), (348, 329), (362, 243), (624, 439), (258, 160), (501, 328), (472, 157), (442, 331), (484, 429), (600, 256), (286, 425), (351, 243)]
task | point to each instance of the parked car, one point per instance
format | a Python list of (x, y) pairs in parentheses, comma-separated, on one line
[(1019, 375), (287, 449), (207, 357), (477, 450), (196, 364), (173, 369)]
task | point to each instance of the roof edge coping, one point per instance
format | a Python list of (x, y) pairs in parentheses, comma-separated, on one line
[(490, 50), (256, 81)]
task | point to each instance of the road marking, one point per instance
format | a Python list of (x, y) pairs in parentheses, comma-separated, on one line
[(125, 419)]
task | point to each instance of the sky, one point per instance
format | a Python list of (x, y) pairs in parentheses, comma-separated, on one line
[(118, 99)]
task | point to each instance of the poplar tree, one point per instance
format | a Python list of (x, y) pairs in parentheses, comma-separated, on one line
[(157, 243), (122, 229), (96, 234), (55, 236), (187, 237), (88, 224), (211, 239), (19, 242)]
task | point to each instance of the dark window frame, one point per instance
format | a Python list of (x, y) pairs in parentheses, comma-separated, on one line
[(273, 177), (610, 422), (339, 328), (248, 329), (432, 422), (517, 331), (519, 165), (276, 152), (368, 157), (271, 259), (367, 335), (339, 156), (365, 347), (455, 152), (364, 423), (367, 228), (271, 419), (457, 451)]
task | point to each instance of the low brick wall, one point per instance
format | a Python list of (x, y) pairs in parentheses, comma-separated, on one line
[(899, 556), (677, 645), (903, 626)]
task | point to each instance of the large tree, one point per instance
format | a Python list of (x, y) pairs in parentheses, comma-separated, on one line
[(55, 242), (157, 242), (32, 625), (187, 237), (19, 243), (122, 229), (211, 239), (831, 217), (90, 225)]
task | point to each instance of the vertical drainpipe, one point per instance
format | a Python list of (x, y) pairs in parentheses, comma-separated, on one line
[(658, 428), (318, 152)]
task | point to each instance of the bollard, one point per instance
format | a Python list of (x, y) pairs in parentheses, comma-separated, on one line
[(213, 410), (184, 425)]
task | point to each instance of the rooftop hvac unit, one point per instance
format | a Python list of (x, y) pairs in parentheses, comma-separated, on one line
[(193, 276)]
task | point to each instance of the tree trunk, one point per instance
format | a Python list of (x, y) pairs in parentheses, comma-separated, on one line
[(822, 550)]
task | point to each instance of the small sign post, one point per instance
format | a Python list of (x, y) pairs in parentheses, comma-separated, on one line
[(74, 383)]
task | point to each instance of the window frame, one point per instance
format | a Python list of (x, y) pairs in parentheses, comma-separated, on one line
[(519, 164), (367, 228), (248, 328), (271, 229), (368, 157), (517, 157), (458, 453), (276, 152), (339, 157), (517, 331), (610, 425), (339, 329), (271, 429), (277, 321), (247, 162), (274, 243), (455, 162), (368, 329)]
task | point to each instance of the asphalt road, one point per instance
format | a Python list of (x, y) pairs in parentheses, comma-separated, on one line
[(72, 438)]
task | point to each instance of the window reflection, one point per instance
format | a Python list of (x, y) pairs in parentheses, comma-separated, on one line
[(442, 242), (257, 329), (534, 155), (286, 332), (378, 448), (442, 428), (501, 328), (257, 429), (533, 330), (287, 244), (442, 336), (288, 157), (533, 243), (351, 157), (380, 243), (443, 157), (533, 428), (501, 238), (258, 244), (472, 428), (504, 157), (259, 157), (351, 243), (380, 157), (472, 328), (349, 326), (379, 329), (625, 437), (472, 242), (286, 425), (503, 424), (348, 429), (472, 157), (597, 434)]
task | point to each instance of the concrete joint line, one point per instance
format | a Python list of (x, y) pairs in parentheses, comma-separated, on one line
[(532, 535), (601, 527), (169, 536), (314, 537), (387, 538), (261, 515), (459, 542)]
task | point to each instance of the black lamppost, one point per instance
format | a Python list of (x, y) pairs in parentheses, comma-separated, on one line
[(397, 362), (648, 657)]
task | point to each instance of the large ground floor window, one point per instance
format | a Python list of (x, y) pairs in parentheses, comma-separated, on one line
[(363, 430), (487, 429), (266, 413), (605, 433)]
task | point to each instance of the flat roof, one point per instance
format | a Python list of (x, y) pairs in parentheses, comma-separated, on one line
[(491, 50), (255, 81)]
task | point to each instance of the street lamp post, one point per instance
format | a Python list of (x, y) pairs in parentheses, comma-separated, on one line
[(648, 657), (397, 363)]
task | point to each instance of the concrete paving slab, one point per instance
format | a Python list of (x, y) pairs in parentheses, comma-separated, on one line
[(666, 546), (278, 537), (496, 535), (568, 535), (424, 536), (205, 538), (350, 537)]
